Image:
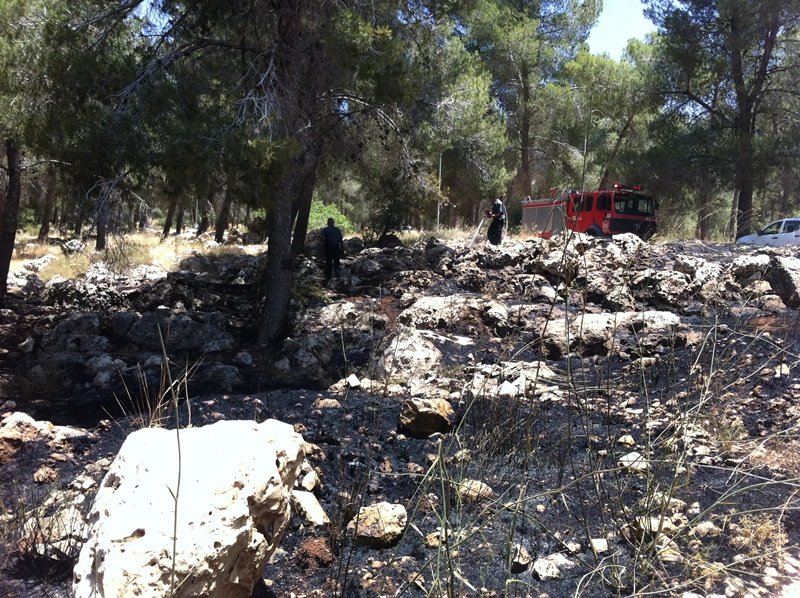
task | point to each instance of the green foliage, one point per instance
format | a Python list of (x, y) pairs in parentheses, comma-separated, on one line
[(405, 189), (720, 61), (320, 213), (466, 130)]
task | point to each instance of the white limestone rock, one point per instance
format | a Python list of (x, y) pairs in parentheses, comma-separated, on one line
[(520, 558), (410, 351), (633, 461), (551, 567), (379, 525), (308, 506), (232, 509), (473, 490)]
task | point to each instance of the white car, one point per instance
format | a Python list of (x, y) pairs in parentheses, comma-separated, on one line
[(778, 233)]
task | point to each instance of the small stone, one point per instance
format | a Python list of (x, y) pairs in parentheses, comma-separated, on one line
[(433, 540), (706, 529), (668, 551), (654, 525), (462, 456), (508, 390), (352, 381), (626, 440), (599, 545), (45, 475), (310, 481), (520, 559), (473, 490), (700, 450), (415, 468), (379, 525), (421, 418), (550, 567), (771, 577), (308, 505), (243, 359), (327, 404), (154, 361), (634, 462)]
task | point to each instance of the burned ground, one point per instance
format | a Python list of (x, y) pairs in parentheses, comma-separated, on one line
[(711, 405)]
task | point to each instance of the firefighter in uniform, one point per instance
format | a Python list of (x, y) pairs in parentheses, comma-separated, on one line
[(498, 215)]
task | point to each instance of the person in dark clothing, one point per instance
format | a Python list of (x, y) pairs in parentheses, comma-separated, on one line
[(498, 215), (332, 241)]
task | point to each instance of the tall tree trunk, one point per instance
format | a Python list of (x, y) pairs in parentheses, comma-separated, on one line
[(278, 274), (301, 209), (103, 211), (205, 207), (525, 133), (734, 211), (179, 217), (173, 202), (703, 210), (77, 224), (225, 210), (297, 67), (49, 203), (57, 209), (747, 98), (142, 215), (744, 183), (10, 213)]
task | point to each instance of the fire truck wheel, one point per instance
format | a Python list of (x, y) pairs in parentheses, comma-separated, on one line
[(594, 231)]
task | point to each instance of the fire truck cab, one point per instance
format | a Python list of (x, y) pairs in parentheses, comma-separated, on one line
[(621, 209)]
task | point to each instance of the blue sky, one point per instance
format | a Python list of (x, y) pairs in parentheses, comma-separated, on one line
[(619, 21)]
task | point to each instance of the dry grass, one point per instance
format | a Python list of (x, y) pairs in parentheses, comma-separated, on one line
[(123, 253), (760, 537), (26, 249), (168, 253), (66, 267)]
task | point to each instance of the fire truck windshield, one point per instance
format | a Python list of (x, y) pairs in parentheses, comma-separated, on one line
[(634, 205)]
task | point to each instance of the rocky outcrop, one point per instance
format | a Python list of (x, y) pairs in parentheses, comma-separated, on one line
[(18, 428), (225, 487), (181, 331), (612, 333), (395, 310)]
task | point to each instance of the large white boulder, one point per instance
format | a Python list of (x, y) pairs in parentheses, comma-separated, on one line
[(226, 488)]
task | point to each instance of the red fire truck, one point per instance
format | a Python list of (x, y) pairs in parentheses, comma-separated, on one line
[(621, 209)]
